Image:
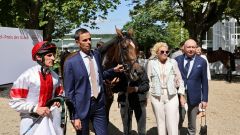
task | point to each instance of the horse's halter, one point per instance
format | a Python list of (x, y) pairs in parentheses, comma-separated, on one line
[(128, 64)]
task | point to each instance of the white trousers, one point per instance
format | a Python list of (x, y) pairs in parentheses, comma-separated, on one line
[(55, 118), (166, 110), (26, 123)]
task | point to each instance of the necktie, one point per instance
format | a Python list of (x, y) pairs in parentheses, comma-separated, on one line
[(186, 68), (93, 78)]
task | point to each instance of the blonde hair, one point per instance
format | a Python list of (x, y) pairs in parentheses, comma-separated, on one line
[(156, 47)]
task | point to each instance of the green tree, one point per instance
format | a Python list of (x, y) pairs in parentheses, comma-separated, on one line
[(198, 15), (176, 33), (233, 10), (148, 31), (55, 17)]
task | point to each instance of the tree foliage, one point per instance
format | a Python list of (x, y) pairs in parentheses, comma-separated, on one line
[(198, 15), (176, 33), (55, 17), (145, 31), (149, 30)]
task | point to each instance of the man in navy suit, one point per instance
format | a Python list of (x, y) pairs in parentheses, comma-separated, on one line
[(194, 73), (84, 89)]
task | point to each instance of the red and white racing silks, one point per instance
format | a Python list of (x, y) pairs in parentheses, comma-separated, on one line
[(32, 90)]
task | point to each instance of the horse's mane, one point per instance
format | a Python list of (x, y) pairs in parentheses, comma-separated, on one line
[(111, 52)]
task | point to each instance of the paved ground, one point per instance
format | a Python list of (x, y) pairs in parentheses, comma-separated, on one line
[(223, 117)]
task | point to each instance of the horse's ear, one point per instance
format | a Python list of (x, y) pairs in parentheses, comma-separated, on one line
[(119, 32), (130, 32)]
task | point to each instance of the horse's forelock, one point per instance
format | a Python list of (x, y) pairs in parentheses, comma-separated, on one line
[(117, 49)]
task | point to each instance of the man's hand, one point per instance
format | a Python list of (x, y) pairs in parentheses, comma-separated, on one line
[(131, 89), (118, 68), (77, 124), (202, 108), (115, 80), (182, 100), (43, 111), (56, 104), (203, 105)]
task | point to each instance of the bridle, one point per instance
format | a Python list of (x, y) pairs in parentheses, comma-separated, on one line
[(128, 64)]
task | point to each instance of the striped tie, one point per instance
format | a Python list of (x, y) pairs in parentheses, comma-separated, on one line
[(93, 78), (186, 68)]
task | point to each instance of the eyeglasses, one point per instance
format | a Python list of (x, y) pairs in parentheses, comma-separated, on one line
[(164, 52)]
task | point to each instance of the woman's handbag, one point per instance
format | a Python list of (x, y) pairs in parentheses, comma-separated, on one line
[(203, 128)]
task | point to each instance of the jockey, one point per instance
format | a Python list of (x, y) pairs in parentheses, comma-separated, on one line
[(35, 87)]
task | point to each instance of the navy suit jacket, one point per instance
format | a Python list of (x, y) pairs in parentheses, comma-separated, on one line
[(197, 81), (77, 85)]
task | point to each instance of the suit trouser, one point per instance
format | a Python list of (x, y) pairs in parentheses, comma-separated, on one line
[(165, 108), (192, 115), (97, 114), (139, 109)]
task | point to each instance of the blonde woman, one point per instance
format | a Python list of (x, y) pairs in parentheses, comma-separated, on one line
[(165, 85)]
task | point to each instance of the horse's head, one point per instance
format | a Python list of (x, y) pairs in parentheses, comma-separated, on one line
[(128, 54)]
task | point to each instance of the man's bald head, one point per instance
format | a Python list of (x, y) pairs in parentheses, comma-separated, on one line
[(190, 46)]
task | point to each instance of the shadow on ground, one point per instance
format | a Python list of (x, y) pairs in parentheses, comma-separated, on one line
[(223, 77), (152, 131), (183, 131), (4, 90), (113, 130)]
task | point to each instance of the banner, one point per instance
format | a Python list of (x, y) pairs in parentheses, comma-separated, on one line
[(15, 52)]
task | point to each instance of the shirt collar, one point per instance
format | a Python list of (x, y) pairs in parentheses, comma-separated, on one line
[(84, 55), (192, 58)]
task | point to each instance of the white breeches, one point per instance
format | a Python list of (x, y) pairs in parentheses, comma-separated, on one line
[(26, 123)]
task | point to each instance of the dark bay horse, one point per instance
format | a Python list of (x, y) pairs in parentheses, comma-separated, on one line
[(227, 59), (120, 50)]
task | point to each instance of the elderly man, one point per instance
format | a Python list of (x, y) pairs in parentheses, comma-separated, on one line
[(193, 69)]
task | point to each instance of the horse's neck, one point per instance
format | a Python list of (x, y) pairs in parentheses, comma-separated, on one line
[(108, 58)]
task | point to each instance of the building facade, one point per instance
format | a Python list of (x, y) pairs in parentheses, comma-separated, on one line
[(224, 34)]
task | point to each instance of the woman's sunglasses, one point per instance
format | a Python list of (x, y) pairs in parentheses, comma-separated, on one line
[(164, 52)]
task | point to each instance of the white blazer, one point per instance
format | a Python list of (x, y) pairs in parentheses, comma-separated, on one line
[(175, 84)]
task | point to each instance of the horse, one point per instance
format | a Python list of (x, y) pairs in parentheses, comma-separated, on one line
[(122, 49), (227, 59)]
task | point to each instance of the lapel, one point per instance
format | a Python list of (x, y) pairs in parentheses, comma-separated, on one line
[(181, 65), (96, 59), (195, 63), (168, 67), (82, 66), (156, 67)]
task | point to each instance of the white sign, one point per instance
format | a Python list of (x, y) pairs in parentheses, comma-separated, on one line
[(15, 52)]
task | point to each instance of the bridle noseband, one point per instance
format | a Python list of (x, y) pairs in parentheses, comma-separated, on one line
[(128, 64)]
